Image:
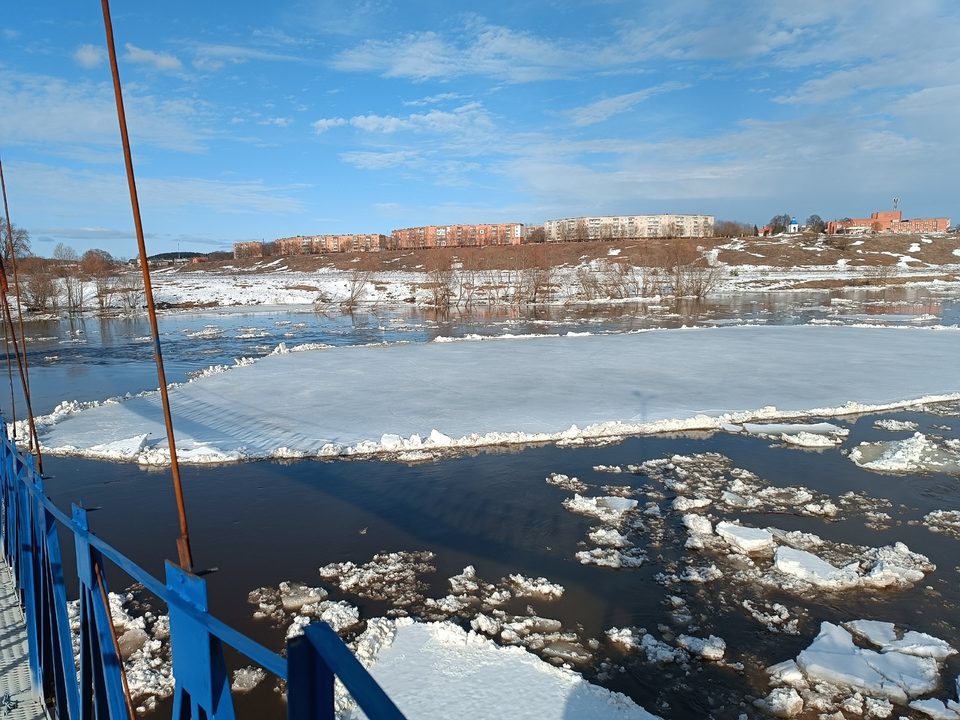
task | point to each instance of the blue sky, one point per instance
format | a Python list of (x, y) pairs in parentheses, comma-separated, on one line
[(255, 120)]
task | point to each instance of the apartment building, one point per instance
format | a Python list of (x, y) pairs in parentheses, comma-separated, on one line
[(432, 236), (613, 227), (247, 250), (316, 244)]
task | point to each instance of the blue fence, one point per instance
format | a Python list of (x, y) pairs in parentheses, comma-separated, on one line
[(31, 542)]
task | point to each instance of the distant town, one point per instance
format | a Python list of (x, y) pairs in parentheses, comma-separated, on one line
[(580, 229)]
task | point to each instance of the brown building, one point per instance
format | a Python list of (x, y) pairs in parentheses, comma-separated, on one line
[(247, 250), (316, 244), (431, 236), (887, 221)]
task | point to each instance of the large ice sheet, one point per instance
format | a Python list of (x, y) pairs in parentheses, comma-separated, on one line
[(440, 395), (437, 670)]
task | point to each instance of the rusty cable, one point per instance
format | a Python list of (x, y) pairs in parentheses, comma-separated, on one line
[(113, 636), (22, 365), (13, 398), (183, 542)]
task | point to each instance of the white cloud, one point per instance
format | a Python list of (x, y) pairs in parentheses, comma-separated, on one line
[(324, 124), (59, 115), (215, 57), (90, 194), (89, 56), (489, 50), (276, 121), (434, 99), (367, 160), (162, 61), (607, 107)]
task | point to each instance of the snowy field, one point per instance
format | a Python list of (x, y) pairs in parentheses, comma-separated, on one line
[(418, 398)]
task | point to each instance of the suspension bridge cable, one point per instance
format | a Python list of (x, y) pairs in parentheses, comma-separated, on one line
[(13, 398), (183, 542), (22, 363)]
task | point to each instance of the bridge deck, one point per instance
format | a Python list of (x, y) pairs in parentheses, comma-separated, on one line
[(14, 653)]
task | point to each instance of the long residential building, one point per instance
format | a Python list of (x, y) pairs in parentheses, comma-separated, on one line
[(431, 236), (614, 227), (888, 221), (316, 244)]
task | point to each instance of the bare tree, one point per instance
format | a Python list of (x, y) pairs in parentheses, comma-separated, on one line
[(21, 241), (99, 266), (581, 232), (129, 289), (39, 287), (356, 289)]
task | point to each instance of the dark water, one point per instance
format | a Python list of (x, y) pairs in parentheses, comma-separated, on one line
[(266, 522)]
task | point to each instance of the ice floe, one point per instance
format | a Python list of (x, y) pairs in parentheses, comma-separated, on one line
[(257, 408), (834, 673), (916, 454), (463, 674), (944, 521), (388, 576), (895, 425)]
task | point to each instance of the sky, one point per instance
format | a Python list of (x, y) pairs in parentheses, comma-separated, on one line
[(258, 120)]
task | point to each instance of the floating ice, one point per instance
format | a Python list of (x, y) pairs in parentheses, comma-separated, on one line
[(534, 587), (388, 576), (710, 648), (608, 509), (834, 658), (471, 407), (895, 425), (247, 678), (918, 453), (462, 674), (571, 484), (747, 540), (944, 521)]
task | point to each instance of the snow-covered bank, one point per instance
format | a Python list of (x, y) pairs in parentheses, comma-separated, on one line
[(439, 396)]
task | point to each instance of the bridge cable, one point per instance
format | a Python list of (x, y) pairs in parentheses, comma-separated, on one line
[(22, 363), (13, 398), (183, 542)]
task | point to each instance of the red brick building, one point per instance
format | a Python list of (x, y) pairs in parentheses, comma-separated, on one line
[(431, 236), (890, 221)]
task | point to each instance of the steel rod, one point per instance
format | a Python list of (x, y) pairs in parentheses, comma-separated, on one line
[(22, 365), (183, 542)]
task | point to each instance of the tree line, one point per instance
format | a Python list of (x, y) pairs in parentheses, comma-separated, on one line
[(69, 281)]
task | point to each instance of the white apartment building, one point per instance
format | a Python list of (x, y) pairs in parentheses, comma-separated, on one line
[(613, 227)]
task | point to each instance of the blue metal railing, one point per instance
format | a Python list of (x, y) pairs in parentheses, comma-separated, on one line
[(31, 545)]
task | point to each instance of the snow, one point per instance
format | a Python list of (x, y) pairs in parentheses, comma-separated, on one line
[(504, 391), (438, 670)]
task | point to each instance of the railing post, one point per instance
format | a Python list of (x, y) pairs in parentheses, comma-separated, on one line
[(314, 660), (309, 682), (60, 670), (28, 575), (202, 685), (101, 685)]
